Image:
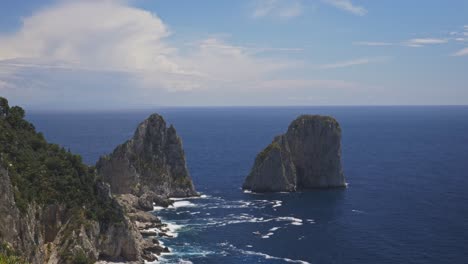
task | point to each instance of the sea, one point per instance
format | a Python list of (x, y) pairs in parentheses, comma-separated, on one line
[(406, 169)]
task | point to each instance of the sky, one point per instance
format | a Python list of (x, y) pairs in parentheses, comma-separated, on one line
[(117, 54)]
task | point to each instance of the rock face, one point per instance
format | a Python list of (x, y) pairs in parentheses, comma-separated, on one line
[(49, 234), (308, 156), (54, 209), (152, 161)]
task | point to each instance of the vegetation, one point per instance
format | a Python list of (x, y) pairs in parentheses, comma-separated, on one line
[(9, 256), (262, 155), (46, 173), (326, 119)]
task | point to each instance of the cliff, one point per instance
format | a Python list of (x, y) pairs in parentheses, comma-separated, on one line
[(53, 208), (308, 156), (149, 165)]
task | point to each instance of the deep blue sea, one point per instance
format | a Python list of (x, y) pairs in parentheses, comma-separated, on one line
[(407, 170)]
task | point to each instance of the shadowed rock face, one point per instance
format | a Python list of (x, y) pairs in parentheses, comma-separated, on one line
[(152, 161), (308, 156)]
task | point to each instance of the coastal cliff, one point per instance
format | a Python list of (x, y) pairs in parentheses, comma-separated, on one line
[(307, 156), (151, 163), (145, 171), (53, 207)]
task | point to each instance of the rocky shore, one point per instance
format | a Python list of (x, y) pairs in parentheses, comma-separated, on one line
[(144, 172), (148, 225)]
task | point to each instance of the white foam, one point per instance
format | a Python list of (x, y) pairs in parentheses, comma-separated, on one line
[(181, 203), (266, 256), (268, 235), (203, 196), (274, 229), (277, 203), (158, 208), (294, 221), (173, 228)]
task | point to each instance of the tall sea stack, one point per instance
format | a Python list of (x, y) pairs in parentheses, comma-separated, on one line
[(308, 156), (153, 161)]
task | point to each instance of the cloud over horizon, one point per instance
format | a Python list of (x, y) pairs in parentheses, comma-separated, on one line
[(347, 6)]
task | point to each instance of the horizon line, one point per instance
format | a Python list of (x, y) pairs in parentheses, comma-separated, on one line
[(148, 108)]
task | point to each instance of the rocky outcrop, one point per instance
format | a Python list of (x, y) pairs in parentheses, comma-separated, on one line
[(145, 171), (52, 234), (308, 156), (55, 209), (153, 161), (149, 226)]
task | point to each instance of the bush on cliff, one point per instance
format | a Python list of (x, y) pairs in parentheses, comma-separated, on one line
[(45, 173)]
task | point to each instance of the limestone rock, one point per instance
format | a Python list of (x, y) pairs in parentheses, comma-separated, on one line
[(308, 156), (152, 161)]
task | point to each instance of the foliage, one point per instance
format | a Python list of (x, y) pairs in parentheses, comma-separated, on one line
[(46, 173), (262, 155), (9, 256), (81, 258)]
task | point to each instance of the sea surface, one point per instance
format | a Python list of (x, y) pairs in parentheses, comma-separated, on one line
[(406, 202)]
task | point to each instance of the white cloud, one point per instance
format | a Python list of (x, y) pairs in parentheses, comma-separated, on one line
[(277, 8), (370, 43), (121, 56), (117, 38), (307, 84), (420, 42), (350, 63), (348, 6), (463, 52)]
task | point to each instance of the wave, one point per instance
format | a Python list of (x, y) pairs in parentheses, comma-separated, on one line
[(179, 204), (260, 254)]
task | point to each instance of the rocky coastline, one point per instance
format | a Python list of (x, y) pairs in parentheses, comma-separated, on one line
[(57, 210), (144, 172)]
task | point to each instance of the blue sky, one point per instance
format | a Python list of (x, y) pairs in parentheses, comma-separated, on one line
[(142, 53)]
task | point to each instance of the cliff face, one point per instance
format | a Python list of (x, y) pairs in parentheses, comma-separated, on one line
[(153, 161), (53, 234), (307, 156), (52, 207)]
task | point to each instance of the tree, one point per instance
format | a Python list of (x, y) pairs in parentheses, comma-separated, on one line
[(4, 108), (16, 112), (15, 117)]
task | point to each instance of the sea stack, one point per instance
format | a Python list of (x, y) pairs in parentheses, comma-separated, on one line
[(152, 162), (308, 156)]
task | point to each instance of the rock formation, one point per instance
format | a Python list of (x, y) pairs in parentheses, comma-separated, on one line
[(151, 163), (308, 156), (51, 234), (55, 210), (145, 171)]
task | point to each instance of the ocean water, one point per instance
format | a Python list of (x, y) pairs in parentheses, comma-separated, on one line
[(407, 199)]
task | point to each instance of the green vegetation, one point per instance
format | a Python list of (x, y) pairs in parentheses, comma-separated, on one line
[(318, 118), (79, 257), (182, 181), (262, 155), (46, 173), (9, 256)]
